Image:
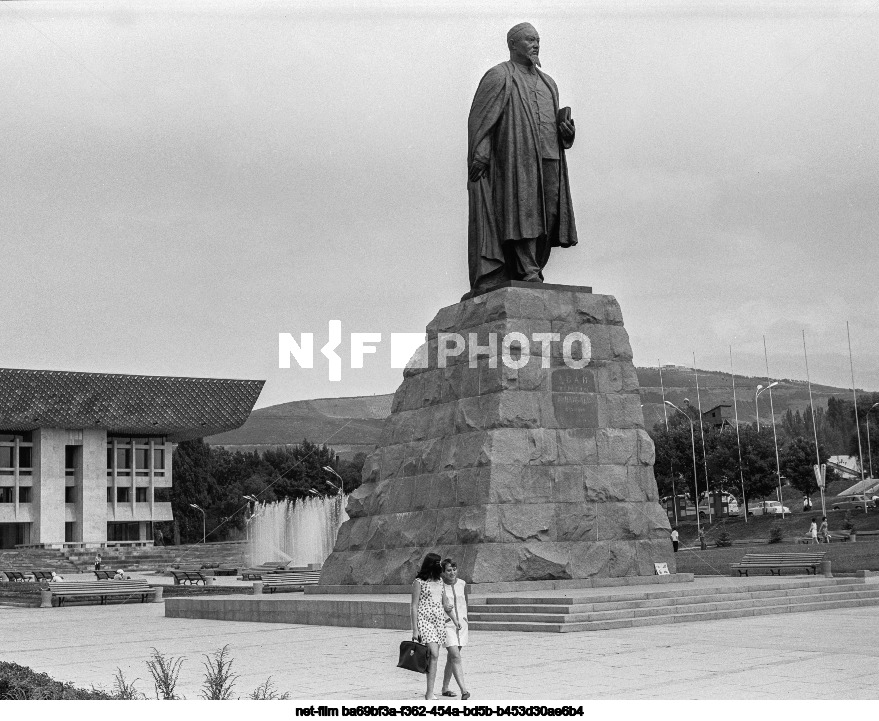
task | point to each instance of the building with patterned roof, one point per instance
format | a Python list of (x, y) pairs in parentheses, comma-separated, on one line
[(85, 458)]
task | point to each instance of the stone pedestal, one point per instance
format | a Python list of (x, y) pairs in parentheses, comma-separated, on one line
[(526, 465)]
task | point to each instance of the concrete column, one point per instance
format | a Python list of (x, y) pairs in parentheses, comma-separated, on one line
[(15, 464), (114, 475), (92, 509), (152, 491), (47, 495)]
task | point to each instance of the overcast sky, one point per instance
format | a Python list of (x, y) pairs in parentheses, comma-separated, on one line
[(184, 180)]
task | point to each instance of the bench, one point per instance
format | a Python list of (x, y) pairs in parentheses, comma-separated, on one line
[(191, 577), (42, 575), (214, 569), (15, 576), (99, 589), (104, 575), (776, 561), (291, 580), (256, 574)]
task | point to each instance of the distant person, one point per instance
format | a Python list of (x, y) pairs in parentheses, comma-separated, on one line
[(807, 503), (456, 628), (98, 562), (56, 577), (674, 538), (702, 543), (824, 530), (813, 531), (428, 615), (120, 576)]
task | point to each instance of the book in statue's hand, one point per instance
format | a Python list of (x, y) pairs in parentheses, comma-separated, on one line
[(564, 115)]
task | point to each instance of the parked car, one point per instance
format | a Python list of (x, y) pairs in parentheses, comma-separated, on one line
[(766, 508), (853, 503)]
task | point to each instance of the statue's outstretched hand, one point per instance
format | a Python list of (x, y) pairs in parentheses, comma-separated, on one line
[(477, 170), (567, 130)]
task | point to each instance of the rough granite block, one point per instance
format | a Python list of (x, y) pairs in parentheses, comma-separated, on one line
[(522, 474)]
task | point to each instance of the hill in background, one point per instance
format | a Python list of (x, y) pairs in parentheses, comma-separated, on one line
[(351, 425)]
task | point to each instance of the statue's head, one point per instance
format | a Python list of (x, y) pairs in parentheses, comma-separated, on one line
[(524, 44)]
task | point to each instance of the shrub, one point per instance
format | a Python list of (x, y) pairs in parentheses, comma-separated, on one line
[(723, 540), (776, 534), (267, 692), (218, 678), (123, 690), (165, 670), (20, 683)]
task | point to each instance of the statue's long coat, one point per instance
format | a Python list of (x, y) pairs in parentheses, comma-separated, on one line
[(507, 202)]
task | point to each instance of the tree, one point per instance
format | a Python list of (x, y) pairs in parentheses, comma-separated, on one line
[(674, 454), (192, 484), (217, 479), (797, 465)]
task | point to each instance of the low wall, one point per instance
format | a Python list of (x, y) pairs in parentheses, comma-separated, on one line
[(391, 612), (843, 557)]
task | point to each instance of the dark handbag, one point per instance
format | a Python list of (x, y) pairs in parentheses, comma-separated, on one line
[(414, 656)]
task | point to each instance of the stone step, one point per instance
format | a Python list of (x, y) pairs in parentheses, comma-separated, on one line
[(714, 596), (849, 600), (677, 609), (804, 582)]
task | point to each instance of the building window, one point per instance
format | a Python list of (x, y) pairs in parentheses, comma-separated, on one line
[(71, 457), (8, 461), (70, 494), (109, 494), (123, 459), (140, 495), (142, 459), (159, 458), (7, 494), (24, 494), (69, 532), (123, 495), (123, 531)]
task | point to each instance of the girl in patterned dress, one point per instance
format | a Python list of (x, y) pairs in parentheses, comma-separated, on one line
[(428, 614)]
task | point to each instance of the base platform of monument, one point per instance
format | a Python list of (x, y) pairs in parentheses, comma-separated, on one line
[(566, 584), (558, 611)]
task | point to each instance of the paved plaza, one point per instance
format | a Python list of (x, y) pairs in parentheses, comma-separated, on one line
[(815, 655)]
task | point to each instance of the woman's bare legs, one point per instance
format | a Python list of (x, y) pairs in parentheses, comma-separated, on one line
[(454, 666), (433, 648)]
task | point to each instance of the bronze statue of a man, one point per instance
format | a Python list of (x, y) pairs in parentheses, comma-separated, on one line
[(520, 198)]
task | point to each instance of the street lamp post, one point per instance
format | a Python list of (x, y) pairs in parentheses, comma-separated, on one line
[(760, 389), (204, 534), (341, 486), (693, 442), (247, 531)]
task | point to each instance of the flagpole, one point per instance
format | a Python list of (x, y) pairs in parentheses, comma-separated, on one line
[(702, 434), (738, 440), (671, 467), (814, 425), (857, 422), (774, 435)]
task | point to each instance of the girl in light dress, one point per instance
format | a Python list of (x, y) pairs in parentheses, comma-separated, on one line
[(428, 614), (456, 629)]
